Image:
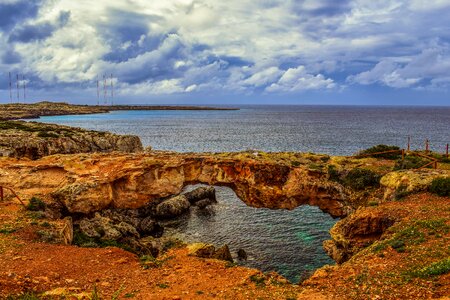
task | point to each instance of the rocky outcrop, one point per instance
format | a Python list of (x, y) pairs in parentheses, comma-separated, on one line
[(35, 140), (400, 183), (356, 232), (209, 251), (94, 182)]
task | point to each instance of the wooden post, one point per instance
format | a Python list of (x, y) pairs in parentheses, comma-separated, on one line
[(435, 164), (403, 154), (409, 142), (446, 152), (426, 146), (1, 193)]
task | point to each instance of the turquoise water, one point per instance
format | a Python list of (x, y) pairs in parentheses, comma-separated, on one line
[(289, 242)]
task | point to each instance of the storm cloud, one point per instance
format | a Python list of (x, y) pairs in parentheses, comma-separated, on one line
[(270, 47)]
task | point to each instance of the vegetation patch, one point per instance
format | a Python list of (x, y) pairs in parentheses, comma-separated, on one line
[(36, 204), (333, 174), (26, 296), (7, 230), (410, 162), (259, 280), (150, 262), (401, 192), (440, 186), (46, 134), (413, 235), (437, 268), (82, 240), (360, 179), (371, 152)]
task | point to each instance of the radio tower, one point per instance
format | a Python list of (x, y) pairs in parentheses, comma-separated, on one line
[(98, 93), (24, 91), (104, 88), (112, 90), (17, 85), (10, 88)]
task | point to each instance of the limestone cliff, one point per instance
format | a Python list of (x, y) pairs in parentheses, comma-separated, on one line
[(87, 183), (35, 140)]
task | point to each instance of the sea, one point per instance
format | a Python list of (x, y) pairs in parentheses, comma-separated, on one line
[(288, 242)]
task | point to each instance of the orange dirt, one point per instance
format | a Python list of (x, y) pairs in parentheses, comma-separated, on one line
[(27, 265)]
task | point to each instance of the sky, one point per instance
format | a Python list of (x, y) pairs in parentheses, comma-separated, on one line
[(228, 52)]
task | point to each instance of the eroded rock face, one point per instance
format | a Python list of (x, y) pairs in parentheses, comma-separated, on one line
[(356, 232), (35, 140), (86, 183)]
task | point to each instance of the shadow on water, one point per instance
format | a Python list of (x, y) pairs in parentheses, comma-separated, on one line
[(288, 242)]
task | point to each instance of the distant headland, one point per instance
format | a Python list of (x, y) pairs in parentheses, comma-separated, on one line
[(16, 111)]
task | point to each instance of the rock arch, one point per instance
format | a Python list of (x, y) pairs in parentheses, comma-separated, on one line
[(257, 183)]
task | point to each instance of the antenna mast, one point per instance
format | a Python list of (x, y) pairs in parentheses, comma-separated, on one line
[(104, 88), (112, 90), (10, 88), (98, 93), (24, 89), (17, 86)]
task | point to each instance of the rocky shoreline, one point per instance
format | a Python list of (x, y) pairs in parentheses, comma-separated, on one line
[(34, 140), (98, 199)]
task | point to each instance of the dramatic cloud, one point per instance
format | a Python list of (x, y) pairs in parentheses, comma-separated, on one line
[(270, 47)]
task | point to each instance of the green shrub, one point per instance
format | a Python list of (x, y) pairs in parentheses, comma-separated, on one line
[(441, 186), (45, 134), (333, 174), (434, 269), (259, 280), (381, 148), (26, 296), (410, 162), (401, 192), (398, 245), (359, 179), (36, 204)]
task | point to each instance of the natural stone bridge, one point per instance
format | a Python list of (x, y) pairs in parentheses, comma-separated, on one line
[(85, 183)]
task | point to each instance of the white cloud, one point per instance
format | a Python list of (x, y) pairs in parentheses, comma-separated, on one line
[(431, 64), (240, 46), (296, 79)]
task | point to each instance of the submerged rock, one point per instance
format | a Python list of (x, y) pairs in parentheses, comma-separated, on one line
[(204, 203), (172, 207), (242, 254)]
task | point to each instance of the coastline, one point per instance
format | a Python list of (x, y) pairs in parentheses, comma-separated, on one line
[(17, 111), (371, 231)]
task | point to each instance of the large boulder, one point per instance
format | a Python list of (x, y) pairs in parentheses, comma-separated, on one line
[(172, 207), (209, 251), (201, 250), (223, 253)]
